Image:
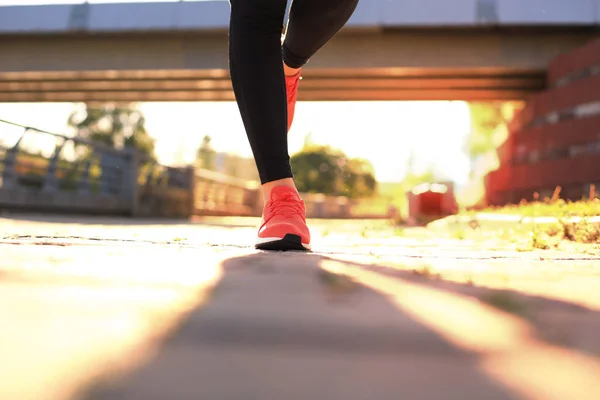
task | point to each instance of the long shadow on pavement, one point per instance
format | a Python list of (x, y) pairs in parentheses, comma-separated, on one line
[(555, 321), (278, 327)]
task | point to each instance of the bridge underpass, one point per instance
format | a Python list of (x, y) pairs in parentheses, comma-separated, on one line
[(389, 50), (394, 64)]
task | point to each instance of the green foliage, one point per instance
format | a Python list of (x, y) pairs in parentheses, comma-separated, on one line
[(115, 126), (316, 170), (359, 177), (205, 155), (32, 169), (572, 221), (485, 119), (551, 208), (321, 169)]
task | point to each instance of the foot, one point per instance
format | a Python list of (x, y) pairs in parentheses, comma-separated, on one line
[(284, 222), (291, 87)]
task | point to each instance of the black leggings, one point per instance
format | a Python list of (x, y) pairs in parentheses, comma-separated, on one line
[(255, 57)]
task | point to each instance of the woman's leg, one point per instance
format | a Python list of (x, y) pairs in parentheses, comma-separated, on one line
[(257, 73), (257, 77)]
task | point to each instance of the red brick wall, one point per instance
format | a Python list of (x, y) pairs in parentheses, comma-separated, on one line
[(574, 62), (550, 142)]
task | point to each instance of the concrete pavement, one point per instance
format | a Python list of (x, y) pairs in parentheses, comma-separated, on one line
[(109, 309)]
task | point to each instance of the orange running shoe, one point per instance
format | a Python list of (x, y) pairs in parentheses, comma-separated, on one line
[(291, 87), (284, 222)]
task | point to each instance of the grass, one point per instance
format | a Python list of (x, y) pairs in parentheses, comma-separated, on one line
[(544, 237), (548, 208), (540, 241), (426, 272), (549, 235), (535, 235)]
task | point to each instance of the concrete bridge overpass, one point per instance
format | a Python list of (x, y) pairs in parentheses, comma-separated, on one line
[(390, 50)]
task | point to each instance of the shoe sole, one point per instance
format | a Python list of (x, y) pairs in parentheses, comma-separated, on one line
[(288, 242)]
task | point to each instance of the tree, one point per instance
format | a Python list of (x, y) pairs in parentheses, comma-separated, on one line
[(359, 178), (206, 154), (321, 169), (488, 126), (485, 119), (489, 129), (317, 169), (118, 127)]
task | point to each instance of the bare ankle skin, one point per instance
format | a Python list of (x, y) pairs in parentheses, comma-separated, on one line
[(289, 71)]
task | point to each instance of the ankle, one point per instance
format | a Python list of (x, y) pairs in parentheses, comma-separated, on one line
[(289, 71), (266, 188)]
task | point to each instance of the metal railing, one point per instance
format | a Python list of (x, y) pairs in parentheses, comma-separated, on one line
[(77, 174), (219, 194)]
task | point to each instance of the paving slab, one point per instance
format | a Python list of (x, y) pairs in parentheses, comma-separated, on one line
[(95, 308)]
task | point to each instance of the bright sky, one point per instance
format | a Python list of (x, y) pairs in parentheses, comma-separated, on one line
[(383, 132)]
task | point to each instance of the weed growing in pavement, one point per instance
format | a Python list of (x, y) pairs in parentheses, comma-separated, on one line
[(505, 301), (587, 232), (459, 234), (425, 272), (338, 283), (538, 241), (399, 232)]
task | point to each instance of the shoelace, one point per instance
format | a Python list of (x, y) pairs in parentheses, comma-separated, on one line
[(287, 205)]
